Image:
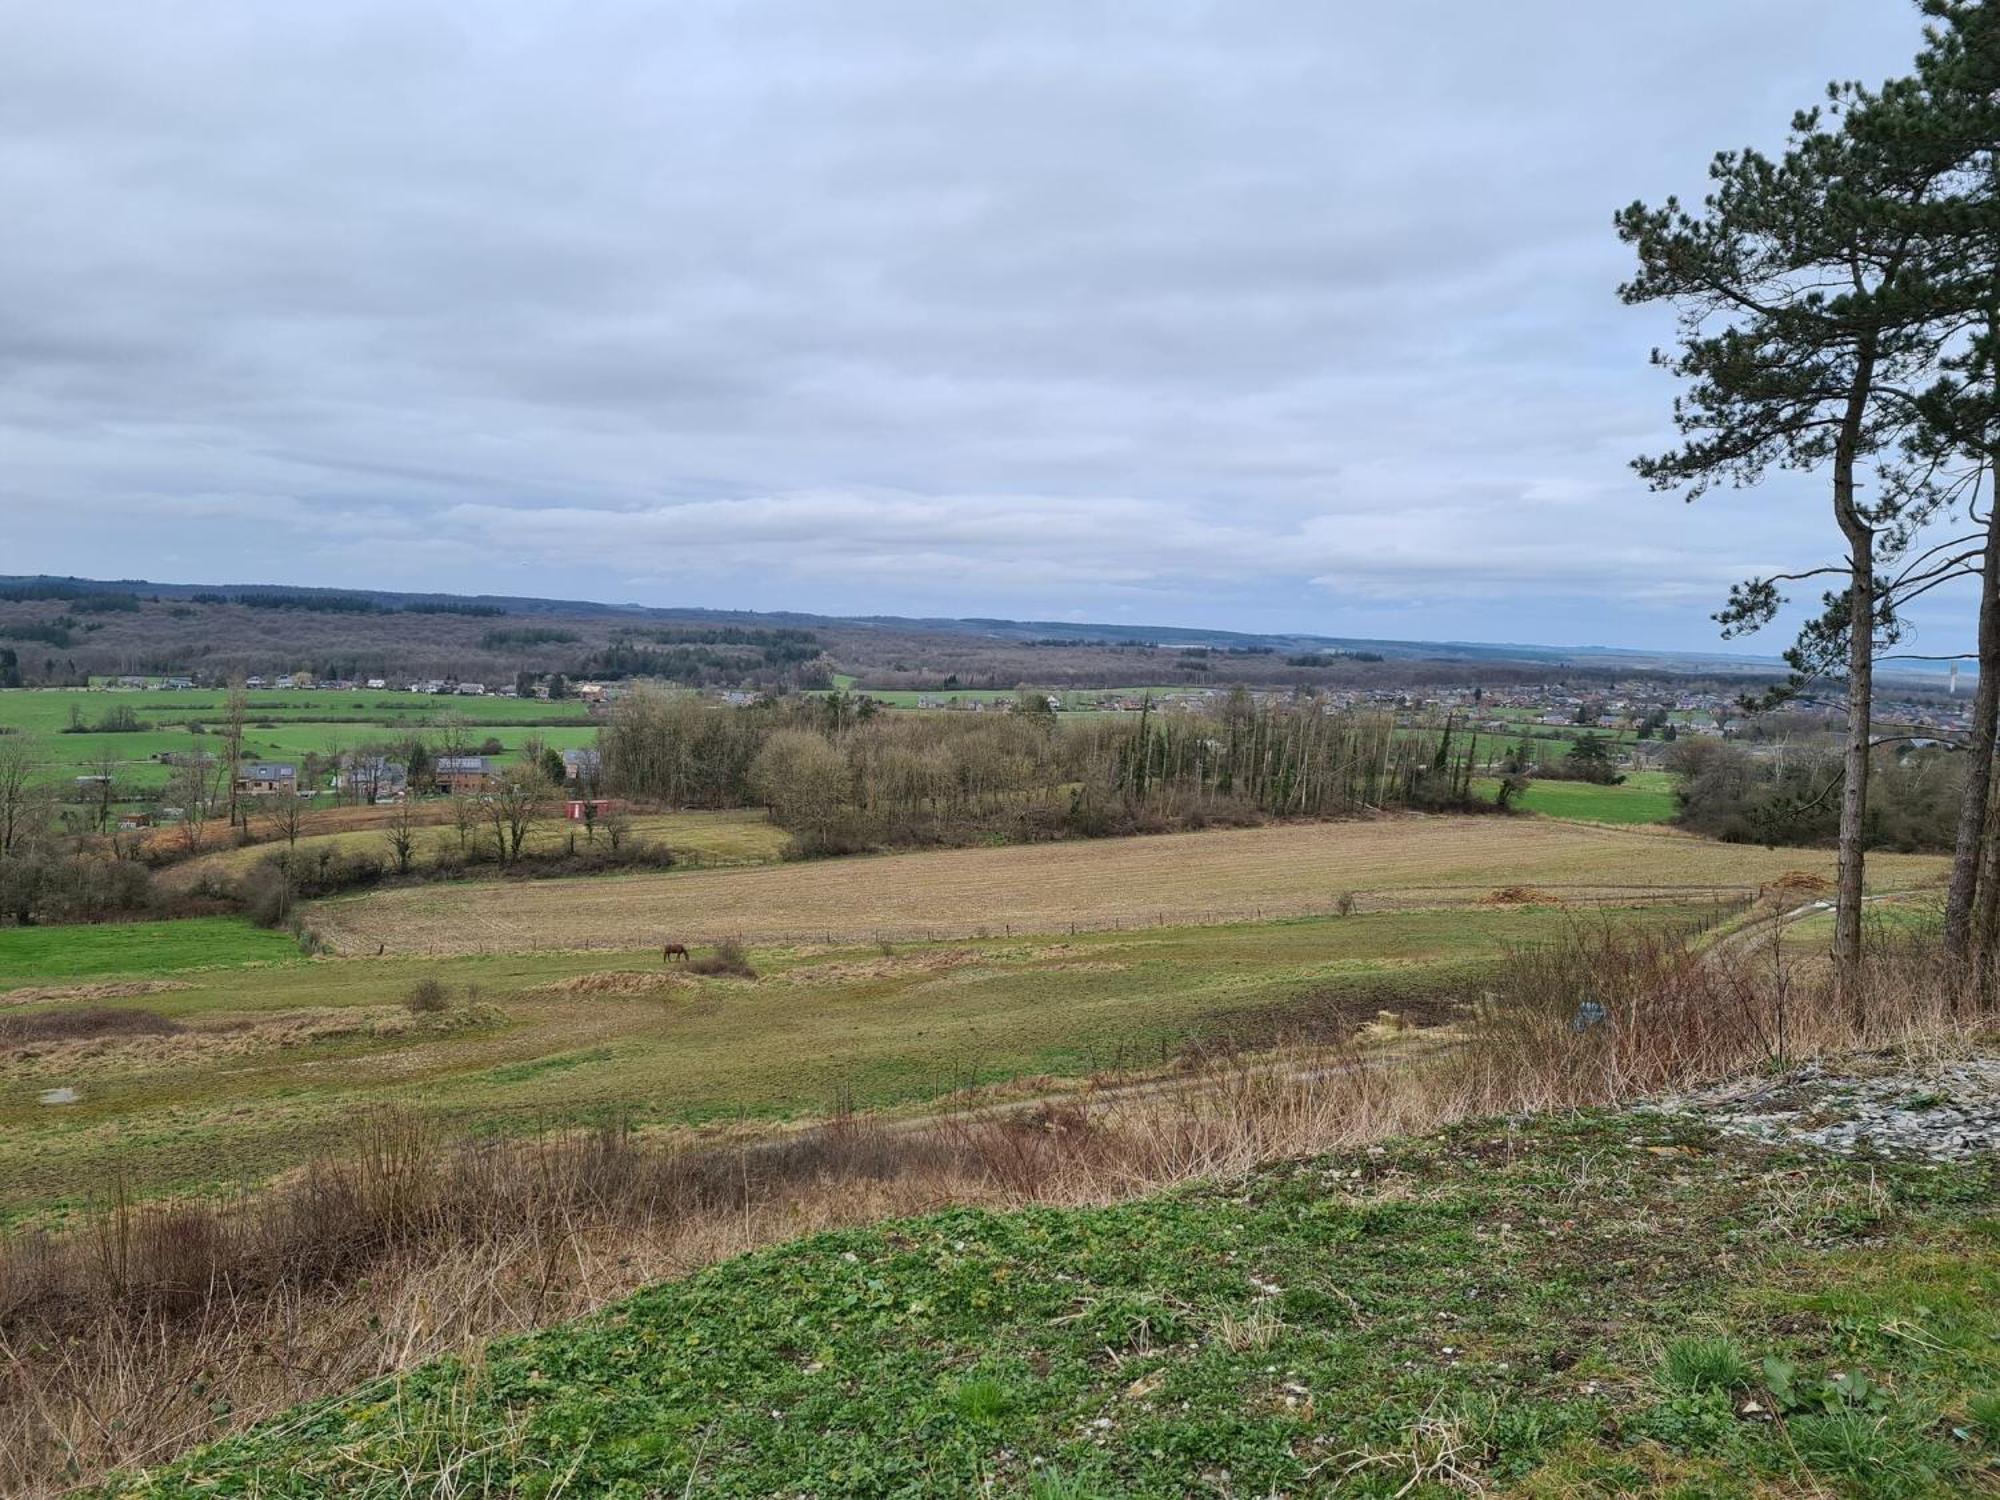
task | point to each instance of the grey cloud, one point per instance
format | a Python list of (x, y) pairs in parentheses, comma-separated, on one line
[(1281, 314)]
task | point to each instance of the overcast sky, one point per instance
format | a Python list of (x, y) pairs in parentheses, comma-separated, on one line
[(1264, 315)]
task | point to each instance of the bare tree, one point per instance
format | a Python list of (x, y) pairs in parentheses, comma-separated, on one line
[(514, 806), (195, 786), (402, 836), (617, 827), (288, 817), (464, 820), (236, 710), (23, 800)]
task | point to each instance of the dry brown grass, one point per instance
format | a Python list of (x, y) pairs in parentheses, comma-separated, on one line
[(96, 1043), (153, 1327), (1521, 895), (1217, 876), (110, 990)]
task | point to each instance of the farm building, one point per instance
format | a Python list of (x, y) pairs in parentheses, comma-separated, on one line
[(581, 764), (588, 809), (267, 778)]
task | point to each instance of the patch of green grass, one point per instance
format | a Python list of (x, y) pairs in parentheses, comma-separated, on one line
[(1503, 1291), (46, 955)]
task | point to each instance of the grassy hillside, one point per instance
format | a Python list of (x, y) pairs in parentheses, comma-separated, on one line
[(273, 1064), (1607, 1306)]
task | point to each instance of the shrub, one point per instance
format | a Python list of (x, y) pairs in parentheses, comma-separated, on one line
[(427, 997), (280, 881), (727, 959)]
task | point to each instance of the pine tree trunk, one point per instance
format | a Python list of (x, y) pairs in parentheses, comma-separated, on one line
[(1963, 899), (1850, 871)]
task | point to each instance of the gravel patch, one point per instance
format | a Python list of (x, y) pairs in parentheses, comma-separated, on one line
[(1946, 1110)]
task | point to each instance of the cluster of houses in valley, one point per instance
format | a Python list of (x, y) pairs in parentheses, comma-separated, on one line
[(287, 682), (376, 778)]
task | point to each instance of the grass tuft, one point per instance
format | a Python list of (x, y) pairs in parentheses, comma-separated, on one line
[(1705, 1364)]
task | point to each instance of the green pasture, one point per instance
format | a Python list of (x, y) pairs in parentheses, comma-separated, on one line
[(1642, 797), (134, 950), (284, 1057), (46, 710), (281, 725)]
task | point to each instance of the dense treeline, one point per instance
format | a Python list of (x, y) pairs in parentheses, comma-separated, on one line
[(709, 666), (842, 777), (1729, 793)]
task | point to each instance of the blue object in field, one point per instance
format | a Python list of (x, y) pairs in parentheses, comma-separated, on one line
[(1589, 1014)]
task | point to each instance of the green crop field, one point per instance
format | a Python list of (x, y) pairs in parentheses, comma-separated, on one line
[(1642, 797), (1567, 1306), (281, 1057)]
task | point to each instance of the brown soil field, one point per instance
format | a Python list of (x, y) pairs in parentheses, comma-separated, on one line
[(1178, 879)]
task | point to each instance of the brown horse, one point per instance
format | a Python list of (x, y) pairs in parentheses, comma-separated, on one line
[(673, 951)]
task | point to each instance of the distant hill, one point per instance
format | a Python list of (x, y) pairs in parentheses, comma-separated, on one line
[(17, 590)]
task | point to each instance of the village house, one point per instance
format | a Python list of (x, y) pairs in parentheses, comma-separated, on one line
[(581, 765), (268, 778), (374, 778), (464, 774)]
